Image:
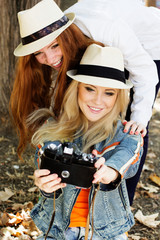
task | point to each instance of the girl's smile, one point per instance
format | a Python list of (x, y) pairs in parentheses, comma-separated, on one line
[(95, 102)]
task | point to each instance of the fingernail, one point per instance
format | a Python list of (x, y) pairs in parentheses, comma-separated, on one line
[(131, 132), (125, 130)]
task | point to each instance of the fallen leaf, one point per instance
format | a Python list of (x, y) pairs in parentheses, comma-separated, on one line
[(4, 219), (151, 188), (20, 206), (154, 178), (12, 176), (5, 195), (136, 195), (14, 151), (19, 226), (26, 214), (149, 220), (17, 206), (151, 155), (31, 177), (14, 219), (21, 192), (151, 195), (33, 189), (148, 167), (148, 187), (28, 205), (10, 231), (133, 237), (3, 139)]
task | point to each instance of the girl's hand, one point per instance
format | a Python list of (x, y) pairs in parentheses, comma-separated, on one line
[(104, 174), (136, 128), (47, 182)]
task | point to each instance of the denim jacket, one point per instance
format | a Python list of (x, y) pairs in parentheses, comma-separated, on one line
[(112, 215)]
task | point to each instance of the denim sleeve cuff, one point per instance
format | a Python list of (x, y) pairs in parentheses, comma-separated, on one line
[(111, 186), (47, 195), (51, 195)]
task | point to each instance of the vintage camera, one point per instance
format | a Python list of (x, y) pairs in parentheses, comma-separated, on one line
[(72, 165)]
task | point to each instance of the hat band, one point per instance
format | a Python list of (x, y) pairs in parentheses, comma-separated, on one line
[(101, 71), (45, 31)]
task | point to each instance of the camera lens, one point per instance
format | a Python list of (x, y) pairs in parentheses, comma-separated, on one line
[(65, 174)]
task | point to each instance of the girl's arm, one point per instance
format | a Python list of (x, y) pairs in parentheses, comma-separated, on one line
[(123, 162)]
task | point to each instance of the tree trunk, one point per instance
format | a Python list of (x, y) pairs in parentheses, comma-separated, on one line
[(9, 40), (150, 3)]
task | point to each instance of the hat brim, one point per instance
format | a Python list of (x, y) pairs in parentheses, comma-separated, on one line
[(99, 81), (23, 50)]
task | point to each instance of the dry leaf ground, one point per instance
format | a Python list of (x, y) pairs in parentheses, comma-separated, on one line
[(17, 176)]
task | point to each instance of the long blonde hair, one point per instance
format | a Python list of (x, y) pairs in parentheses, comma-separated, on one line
[(72, 123)]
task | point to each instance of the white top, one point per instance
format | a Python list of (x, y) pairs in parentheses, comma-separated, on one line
[(135, 30)]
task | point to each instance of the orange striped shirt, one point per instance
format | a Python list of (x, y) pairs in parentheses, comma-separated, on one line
[(80, 210)]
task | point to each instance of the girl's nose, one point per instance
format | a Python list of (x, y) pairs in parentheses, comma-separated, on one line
[(98, 98), (49, 58)]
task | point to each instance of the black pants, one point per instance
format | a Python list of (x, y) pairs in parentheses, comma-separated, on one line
[(132, 182)]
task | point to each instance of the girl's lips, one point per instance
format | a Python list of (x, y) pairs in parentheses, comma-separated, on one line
[(95, 110), (57, 64)]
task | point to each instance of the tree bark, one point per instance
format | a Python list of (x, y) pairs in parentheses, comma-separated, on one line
[(9, 40), (150, 3)]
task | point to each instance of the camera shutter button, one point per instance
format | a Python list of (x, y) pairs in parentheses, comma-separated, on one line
[(65, 174)]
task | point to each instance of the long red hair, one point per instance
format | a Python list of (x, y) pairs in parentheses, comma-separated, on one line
[(32, 84)]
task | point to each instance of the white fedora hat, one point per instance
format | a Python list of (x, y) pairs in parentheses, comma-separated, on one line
[(101, 66), (40, 25)]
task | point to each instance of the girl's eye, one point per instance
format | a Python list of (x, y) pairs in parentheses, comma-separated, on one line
[(36, 54), (55, 45), (89, 89), (109, 93)]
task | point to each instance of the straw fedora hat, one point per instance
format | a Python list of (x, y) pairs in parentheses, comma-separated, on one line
[(101, 66), (40, 25)]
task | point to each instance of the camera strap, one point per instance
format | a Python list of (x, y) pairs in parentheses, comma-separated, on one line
[(88, 218), (53, 215)]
